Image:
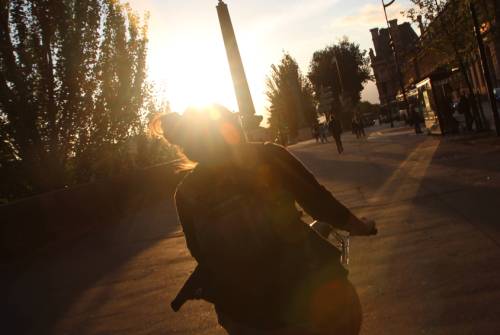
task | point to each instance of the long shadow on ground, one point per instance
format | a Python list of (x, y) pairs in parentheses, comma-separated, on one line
[(40, 293)]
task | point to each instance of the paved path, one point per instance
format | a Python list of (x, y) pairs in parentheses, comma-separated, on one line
[(433, 268)]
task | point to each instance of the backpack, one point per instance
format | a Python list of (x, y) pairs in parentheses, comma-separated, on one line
[(231, 222), (246, 266)]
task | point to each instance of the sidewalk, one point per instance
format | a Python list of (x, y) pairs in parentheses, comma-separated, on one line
[(433, 268)]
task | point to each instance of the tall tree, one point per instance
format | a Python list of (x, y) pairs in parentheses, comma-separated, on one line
[(340, 68), (292, 103), (72, 83)]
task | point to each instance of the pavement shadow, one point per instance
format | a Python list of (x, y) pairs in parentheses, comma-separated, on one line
[(42, 291), (466, 180), (451, 229), (349, 171), (435, 260)]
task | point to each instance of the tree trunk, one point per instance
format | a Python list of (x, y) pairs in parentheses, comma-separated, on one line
[(55, 175), (19, 110)]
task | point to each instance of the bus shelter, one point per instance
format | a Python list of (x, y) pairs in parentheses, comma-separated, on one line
[(426, 102)]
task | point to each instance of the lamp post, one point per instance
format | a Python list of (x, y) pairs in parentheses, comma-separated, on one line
[(396, 60), (341, 86)]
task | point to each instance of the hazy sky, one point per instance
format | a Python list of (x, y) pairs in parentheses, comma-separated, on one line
[(187, 60)]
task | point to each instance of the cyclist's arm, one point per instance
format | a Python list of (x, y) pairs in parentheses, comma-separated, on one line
[(313, 197)]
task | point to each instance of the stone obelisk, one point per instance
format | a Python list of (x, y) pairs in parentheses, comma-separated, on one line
[(241, 88)]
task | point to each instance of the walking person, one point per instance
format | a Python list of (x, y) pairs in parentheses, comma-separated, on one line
[(415, 118), (264, 269), (464, 108), (361, 126), (451, 124), (315, 132), (354, 127), (473, 104), (323, 133), (331, 127), (336, 129)]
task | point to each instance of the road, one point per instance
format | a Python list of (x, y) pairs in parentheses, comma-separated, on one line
[(432, 269)]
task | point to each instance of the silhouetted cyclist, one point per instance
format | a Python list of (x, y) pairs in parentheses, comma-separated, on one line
[(264, 269)]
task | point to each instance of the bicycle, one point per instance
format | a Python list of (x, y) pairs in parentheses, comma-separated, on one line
[(340, 241)]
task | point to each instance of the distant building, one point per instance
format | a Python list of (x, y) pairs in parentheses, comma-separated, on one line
[(432, 80), (383, 61)]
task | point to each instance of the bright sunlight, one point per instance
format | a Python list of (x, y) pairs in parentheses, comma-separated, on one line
[(193, 72), (187, 61)]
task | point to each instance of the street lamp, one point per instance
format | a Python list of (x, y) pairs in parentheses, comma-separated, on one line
[(392, 43), (339, 75), (342, 98), (335, 60)]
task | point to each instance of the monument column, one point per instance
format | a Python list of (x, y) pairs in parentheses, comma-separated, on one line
[(241, 88)]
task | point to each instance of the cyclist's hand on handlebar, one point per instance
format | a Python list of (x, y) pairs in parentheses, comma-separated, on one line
[(363, 227)]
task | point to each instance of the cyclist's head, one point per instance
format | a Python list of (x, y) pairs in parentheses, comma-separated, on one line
[(205, 133)]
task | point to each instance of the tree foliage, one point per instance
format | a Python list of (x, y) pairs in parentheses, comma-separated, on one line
[(354, 66), (449, 34), (291, 98), (72, 88), (366, 108), (449, 26)]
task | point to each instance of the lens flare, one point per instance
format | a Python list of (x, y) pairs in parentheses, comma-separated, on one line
[(230, 133), (214, 114)]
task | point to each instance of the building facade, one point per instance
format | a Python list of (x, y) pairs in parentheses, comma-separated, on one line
[(383, 61), (433, 80)]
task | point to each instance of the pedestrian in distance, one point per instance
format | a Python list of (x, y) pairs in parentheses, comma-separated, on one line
[(282, 137), (354, 127), (323, 133), (464, 108), (315, 132), (336, 129), (450, 123), (361, 127), (331, 129), (415, 119), (263, 268)]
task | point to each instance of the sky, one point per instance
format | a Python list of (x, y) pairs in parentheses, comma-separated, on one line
[(187, 62)]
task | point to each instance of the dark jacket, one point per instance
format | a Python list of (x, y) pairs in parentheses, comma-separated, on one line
[(265, 286)]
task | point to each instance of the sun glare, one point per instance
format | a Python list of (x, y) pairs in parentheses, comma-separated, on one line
[(187, 62), (192, 73)]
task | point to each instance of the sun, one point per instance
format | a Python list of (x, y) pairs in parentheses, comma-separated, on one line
[(191, 72), (188, 66)]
